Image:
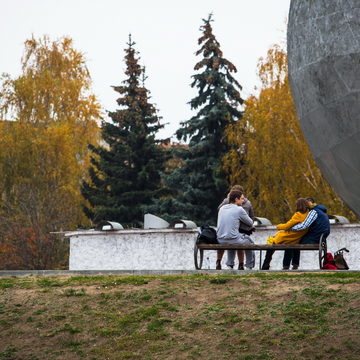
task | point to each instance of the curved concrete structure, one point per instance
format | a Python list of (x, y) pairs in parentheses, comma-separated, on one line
[(324, 69)]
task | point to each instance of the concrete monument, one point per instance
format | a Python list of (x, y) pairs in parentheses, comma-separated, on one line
[(324, 69)]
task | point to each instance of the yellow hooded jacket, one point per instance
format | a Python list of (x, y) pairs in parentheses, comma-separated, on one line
[(284, 236)]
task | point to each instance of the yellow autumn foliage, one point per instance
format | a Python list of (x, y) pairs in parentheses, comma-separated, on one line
[(269, 156), (51, 117)]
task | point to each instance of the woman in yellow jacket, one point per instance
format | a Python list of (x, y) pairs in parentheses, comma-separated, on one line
[(285, 235)]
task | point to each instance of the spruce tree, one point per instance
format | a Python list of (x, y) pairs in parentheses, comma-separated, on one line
[(201, 183), (125, 172)]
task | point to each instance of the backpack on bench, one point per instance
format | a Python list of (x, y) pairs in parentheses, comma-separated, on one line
[(207, 235)]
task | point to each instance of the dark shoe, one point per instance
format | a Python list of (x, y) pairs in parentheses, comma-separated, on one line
[(230, 266), (241, 266), (285, 268), (218, 264), (295, 267)]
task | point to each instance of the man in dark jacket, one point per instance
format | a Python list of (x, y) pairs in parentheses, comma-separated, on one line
[(318, 223)]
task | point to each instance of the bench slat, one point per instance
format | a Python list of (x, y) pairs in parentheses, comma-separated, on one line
[(257, 247)]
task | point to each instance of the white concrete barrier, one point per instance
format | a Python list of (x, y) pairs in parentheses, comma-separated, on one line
[(172, 249)]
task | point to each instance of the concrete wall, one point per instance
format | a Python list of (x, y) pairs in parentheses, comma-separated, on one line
[(170, 249)]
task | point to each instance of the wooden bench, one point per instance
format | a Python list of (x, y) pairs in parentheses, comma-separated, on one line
[(200, 248)]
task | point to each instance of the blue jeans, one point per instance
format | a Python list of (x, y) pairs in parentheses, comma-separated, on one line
[(291, 256), (249, 254)]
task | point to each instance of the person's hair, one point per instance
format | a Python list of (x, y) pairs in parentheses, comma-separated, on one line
[(301, 205), (234, 194), (310, 199), (237, 187)]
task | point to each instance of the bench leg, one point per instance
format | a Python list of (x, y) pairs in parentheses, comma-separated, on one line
[(322, 251), (198, 257), (260, 260)]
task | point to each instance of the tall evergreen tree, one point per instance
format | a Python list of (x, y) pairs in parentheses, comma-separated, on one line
[(125, 173), (200, 182)]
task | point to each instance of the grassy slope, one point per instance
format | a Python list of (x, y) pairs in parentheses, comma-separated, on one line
[(252, 316)]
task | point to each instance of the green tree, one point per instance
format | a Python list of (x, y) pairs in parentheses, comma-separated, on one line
[(125, 172), (278, 166), (200, 184), (43, 152)]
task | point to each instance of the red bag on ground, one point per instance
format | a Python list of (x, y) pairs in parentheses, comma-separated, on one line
[(329, 262)]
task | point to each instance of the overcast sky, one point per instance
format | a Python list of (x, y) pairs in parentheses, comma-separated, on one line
[(165, 32)]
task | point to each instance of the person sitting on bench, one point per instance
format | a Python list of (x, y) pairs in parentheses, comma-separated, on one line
[(285, 235), (228, 223), (243, 228), (317, 223)]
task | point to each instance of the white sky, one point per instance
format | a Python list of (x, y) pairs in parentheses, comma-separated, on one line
[(165, 32)]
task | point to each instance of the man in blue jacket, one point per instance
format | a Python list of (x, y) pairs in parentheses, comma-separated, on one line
[(318, 223)]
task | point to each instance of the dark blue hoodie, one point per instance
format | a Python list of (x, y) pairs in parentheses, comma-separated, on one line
[(319, 226)]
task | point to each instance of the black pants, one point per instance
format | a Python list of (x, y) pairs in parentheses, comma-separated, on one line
[(267, 261), (291, 257)]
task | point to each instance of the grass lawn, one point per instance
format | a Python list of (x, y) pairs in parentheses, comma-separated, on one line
[(252, 316)]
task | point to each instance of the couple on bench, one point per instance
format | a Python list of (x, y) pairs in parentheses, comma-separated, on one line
[(305, 227)]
